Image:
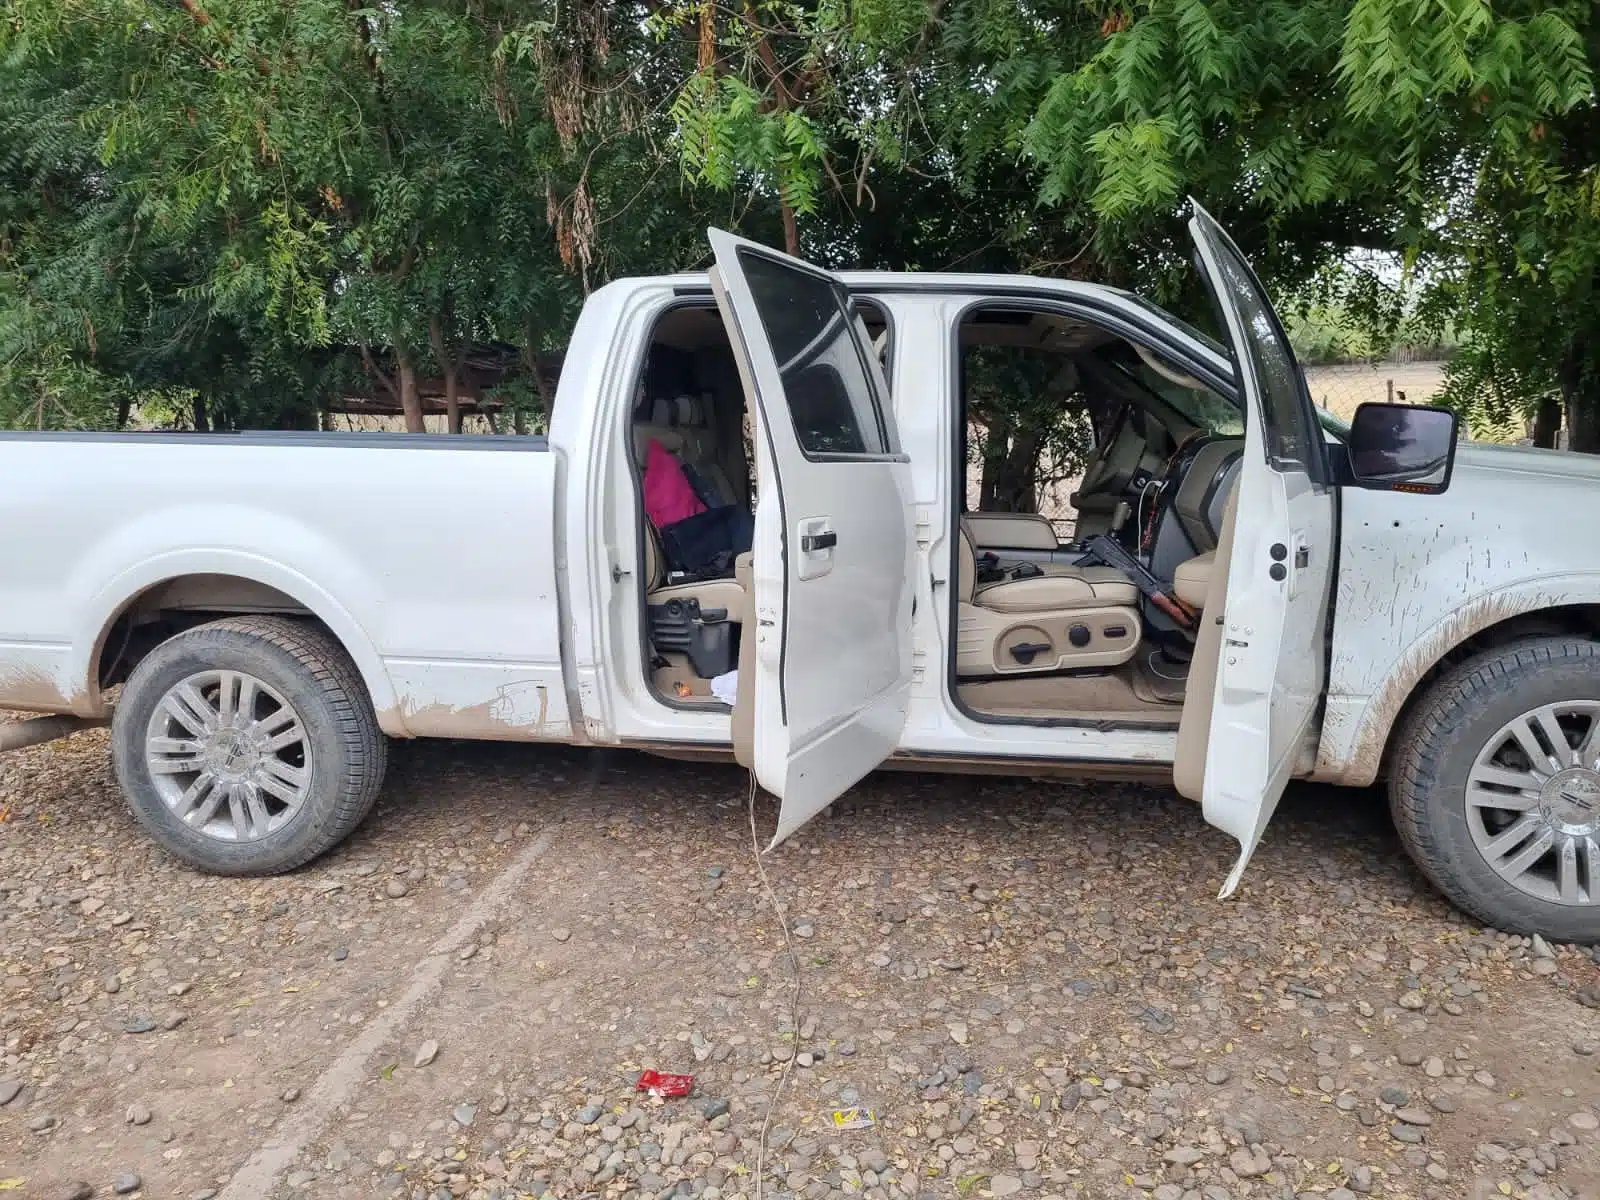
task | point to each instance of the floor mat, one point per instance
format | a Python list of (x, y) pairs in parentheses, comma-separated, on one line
[(677, 681), (1159, 680)]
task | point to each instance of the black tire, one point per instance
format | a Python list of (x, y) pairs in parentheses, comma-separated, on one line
[(311, 671), (1434, 754)]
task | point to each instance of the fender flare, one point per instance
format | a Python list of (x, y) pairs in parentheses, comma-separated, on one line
[(113, 597), (1360, 762)]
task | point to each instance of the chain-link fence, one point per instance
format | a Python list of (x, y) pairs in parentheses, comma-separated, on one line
[(1343, 387)]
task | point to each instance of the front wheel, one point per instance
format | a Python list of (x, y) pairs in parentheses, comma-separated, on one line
[(1495, 787), (247, 746)]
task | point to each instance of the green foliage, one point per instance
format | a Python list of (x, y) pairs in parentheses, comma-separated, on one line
[(728, 134), (1028, 428), (235, 211), (236, 198)]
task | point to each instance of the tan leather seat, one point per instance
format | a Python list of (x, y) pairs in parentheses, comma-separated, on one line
[(685, 646), (1059, 586), (712, 593), (1065, 619), (1010, 531), (1192, 579)]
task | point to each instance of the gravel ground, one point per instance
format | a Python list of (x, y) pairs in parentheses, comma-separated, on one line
[(1029, 984)]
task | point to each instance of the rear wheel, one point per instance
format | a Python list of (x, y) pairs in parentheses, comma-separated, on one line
[(248, 746), (1496, 787)]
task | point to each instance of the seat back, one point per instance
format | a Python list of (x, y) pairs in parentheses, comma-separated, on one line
[(682, 425), (655, 563), (966, 565), (1194, 728)]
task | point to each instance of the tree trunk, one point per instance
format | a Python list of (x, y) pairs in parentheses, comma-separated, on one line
[(791, 231), (1547, 422), (1583, 425), (201, 425), (1018, 472), (447, 368), (1581, 402), (124, 409), (1010, 470), (452, 405), (410, 401)]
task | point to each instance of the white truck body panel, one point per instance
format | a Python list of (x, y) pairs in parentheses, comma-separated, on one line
[(433, 565), (1418, 575)]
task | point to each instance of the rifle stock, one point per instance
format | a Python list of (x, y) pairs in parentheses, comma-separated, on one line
[(1112, 553)]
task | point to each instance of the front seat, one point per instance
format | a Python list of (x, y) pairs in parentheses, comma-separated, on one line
[(1191, 579), (700, 620), (1066, 618)]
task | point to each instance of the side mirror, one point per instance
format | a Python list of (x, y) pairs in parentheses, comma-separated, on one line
[(1402, 448)]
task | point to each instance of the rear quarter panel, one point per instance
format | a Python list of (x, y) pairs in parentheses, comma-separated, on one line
[(433, 565), (1518, 531)]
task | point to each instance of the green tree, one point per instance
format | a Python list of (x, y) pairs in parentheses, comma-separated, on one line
[(256, 205), (1458, 135)]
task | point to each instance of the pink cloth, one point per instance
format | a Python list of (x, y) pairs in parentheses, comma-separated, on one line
[(668, 495)]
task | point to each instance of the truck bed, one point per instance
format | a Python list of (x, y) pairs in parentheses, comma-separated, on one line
[(431, 559)]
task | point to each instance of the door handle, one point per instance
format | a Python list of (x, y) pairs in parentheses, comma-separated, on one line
[(811, 543), (1302, 560)]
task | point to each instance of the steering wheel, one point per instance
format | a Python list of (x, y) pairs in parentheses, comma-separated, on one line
[(1170, 476), (1098, 471)]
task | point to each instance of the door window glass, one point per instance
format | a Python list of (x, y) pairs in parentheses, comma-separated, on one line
[(1284, 405), (816, 340)]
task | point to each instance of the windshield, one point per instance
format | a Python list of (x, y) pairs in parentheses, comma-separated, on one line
[(1198, 335), (1199, 406)]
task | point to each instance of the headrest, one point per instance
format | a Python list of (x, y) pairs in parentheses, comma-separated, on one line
[(677, 410), (643, 435)]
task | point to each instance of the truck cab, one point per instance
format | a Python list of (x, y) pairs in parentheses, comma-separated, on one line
[(875, 619)]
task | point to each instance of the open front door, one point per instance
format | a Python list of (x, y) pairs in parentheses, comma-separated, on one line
[(832, 560), (1268, 634)]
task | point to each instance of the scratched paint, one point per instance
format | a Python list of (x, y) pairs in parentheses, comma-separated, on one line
[(516, 712), (1517, 532)]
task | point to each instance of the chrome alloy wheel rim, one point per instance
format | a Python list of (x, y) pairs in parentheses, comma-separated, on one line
[(1533, 802), (230, 756)]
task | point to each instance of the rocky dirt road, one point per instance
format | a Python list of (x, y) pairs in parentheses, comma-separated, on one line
[(1029, 984)]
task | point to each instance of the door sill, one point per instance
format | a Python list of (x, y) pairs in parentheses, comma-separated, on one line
[(1110, 770)]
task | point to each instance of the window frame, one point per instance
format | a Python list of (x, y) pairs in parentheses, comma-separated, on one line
[(846, 303), (1313, 460)]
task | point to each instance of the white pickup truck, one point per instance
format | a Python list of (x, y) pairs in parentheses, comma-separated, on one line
[(1253, 591)]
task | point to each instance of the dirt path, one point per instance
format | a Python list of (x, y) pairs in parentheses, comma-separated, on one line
[(1030, 984)]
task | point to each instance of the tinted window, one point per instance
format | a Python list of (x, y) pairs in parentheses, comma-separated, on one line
[(814, 338), (1284, 411)]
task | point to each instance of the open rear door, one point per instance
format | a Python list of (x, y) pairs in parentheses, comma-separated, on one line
[(1270, 641), (834, 548)]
